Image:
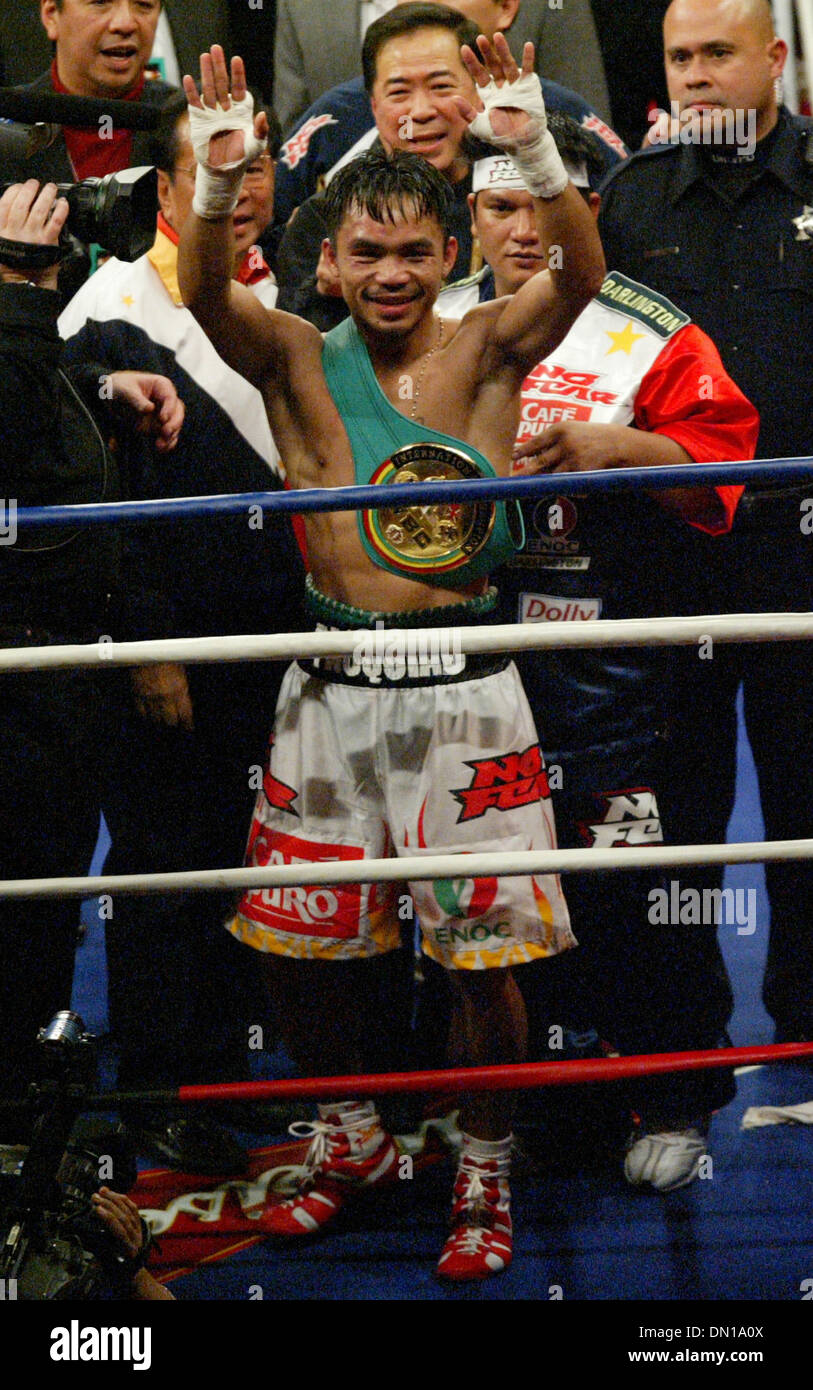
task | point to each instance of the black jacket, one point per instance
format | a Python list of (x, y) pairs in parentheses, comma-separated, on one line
[(54, 451), (738, 259)]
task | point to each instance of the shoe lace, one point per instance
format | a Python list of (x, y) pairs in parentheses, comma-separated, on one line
[(320, 1134), (672, 1138), (323, 1135), (471, 1240), (475, 1204)]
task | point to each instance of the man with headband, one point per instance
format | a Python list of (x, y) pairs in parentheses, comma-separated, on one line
[(403, 750), (634, 384)]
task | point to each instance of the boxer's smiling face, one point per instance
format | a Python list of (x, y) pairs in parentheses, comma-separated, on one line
[(101, 45), (391, 272)]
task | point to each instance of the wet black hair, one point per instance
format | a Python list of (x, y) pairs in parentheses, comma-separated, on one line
[(163, 146), (575, 143), (382, 184)]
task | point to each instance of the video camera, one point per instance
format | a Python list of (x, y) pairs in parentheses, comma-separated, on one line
[(52, 1245), (118, 211)]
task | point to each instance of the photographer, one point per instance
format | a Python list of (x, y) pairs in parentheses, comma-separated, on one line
[(101, 52), (56, 587)]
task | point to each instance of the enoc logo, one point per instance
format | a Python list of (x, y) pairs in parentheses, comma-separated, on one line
[(465, 897)]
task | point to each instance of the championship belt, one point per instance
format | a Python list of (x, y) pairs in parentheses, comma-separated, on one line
[(448, 544), (434, 538)]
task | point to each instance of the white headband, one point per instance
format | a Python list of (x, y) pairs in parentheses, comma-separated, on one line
[(499, 171)]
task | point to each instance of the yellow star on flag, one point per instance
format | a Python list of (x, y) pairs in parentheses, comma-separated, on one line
[(623, 341), (128, 300)]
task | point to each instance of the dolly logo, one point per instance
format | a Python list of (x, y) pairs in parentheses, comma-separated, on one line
[(502, 784)]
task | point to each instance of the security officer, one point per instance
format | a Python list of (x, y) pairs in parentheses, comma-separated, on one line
[(719, 217)]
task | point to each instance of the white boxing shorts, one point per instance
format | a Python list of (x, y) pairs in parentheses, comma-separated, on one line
[(362, 768)]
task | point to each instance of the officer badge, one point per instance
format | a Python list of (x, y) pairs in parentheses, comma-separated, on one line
[(804, 223)]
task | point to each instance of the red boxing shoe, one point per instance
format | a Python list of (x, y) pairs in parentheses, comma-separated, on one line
[(349, 1150), (481, 1240)]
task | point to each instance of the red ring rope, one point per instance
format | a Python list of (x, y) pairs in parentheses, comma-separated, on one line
[(502, 1078)]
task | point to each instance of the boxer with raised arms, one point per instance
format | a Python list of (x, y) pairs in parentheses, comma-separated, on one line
[(400, 751)]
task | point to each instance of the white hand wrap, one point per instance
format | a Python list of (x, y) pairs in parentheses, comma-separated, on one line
[(535, 153), (217, 189)]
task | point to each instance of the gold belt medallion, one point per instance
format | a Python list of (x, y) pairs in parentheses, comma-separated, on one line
[(435, 536)]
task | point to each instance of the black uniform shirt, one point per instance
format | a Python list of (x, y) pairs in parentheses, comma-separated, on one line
[(735, 255)]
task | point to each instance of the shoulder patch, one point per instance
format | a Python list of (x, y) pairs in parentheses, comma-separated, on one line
[(296, 146), (641, 303)]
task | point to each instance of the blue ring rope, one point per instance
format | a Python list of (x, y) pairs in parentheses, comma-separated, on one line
[(350, 498)]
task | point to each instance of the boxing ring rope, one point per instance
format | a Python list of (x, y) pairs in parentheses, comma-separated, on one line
[(519, 1076), (344, 499), (630, 632), (492, 864), (374, 645)]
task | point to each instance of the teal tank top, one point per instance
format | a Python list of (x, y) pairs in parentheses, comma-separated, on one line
[(449, 546)]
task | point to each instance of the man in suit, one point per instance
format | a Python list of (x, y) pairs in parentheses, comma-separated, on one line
[(409, 59), (306, 66), (340, 124)]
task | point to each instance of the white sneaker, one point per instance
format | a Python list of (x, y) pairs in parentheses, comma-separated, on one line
[(666, 1161)]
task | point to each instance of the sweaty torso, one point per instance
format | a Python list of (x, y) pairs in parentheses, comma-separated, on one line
[(457, 395)]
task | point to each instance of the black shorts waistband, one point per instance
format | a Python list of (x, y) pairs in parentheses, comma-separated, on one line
[(402, 659), (404, 665)]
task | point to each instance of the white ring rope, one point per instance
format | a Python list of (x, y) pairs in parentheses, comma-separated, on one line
[(374, 645), (415, 867)]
